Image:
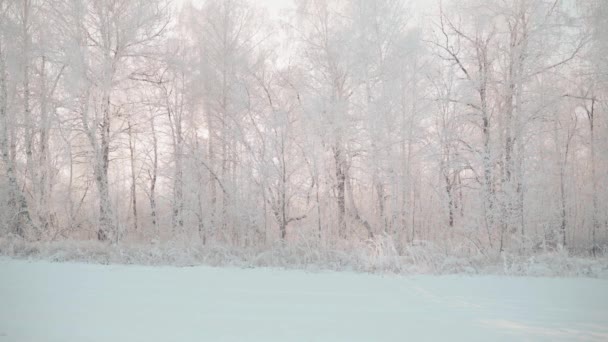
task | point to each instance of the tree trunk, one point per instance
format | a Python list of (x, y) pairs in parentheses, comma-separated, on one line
[(178, 197), (133, 175), (153, 177), (341, 188), (28, 123), (107, 229), (16, 200), (595, 219), (43, 185), (487, 163)]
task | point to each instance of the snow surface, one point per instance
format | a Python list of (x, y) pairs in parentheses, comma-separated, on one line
[(43, 301)]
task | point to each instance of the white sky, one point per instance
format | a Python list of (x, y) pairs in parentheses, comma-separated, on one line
[(276, 6), (276, 9)]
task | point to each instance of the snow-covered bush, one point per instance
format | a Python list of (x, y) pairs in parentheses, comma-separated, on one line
[(377, 255)]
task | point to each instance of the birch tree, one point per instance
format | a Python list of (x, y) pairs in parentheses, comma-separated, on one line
[(108, 35)]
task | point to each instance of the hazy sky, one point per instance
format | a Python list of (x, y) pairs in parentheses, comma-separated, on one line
[(276, 6)]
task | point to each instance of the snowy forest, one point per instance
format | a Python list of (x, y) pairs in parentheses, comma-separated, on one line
[(303, 170), (470, 128)]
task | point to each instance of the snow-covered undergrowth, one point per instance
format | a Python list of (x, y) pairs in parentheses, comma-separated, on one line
[(378, 256)]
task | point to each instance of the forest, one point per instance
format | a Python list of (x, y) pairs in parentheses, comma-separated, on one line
[(474, 128)]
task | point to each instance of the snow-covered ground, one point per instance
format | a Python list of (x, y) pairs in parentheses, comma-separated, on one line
[(43, 301)]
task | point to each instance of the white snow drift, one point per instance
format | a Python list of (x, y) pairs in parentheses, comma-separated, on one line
[(42, 301)]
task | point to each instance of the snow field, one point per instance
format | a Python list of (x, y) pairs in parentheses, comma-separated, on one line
[(43, 301)]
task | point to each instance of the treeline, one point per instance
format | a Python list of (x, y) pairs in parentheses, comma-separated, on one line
[(478, 125)]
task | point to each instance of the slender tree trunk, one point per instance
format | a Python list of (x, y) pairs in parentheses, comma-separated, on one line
[(341, 188), (224, 177), (178, 197), (283, 190), (317, 198), (487, 153), (595, 219), (212, 178), (133, 175), (519, 209), (43, 200), (16, 200), (107, 227), (106, 216), (153, 177), (413, 210), (202, 232), (562, 191), (28, 123), (448, 190), (487, 170)]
